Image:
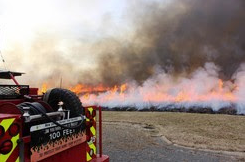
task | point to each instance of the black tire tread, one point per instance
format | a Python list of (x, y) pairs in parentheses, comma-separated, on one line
[(70, 99)]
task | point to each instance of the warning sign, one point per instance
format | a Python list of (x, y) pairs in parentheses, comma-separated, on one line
[(48, 139)]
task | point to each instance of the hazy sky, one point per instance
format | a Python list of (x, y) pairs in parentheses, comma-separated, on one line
[(20, 20), (35, 34), (50, 39)]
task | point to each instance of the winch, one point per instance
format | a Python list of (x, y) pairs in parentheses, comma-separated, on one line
[(53, 126)]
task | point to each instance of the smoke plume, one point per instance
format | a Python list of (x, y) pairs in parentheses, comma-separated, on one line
[(181, 54), (201, 90), (178, 36)]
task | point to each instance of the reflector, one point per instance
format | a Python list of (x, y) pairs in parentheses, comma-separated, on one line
[(14, 129), (6, 147)]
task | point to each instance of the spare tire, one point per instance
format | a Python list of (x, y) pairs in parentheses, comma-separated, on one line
[(70, 100)]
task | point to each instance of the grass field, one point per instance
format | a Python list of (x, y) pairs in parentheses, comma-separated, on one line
[(206, 131)]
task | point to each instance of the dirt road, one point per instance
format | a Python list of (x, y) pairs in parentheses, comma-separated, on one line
[(129, 142)]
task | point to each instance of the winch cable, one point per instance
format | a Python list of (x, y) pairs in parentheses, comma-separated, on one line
[(63, 126), (36, 108)]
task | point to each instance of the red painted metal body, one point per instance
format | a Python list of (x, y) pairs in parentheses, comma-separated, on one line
[(100, 132), (6, 121), (10, 114), (99, 157), (14, 101), (76, 153), (102, 158)]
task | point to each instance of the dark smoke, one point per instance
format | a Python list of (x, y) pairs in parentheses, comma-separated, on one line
[(178, 36)]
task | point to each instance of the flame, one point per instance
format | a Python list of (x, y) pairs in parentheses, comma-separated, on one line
[(185, 93), (221, 84), (118, 94), (86, 89), (123, 88), (201, 90), (82, 88), (181, 97), (44, 88)]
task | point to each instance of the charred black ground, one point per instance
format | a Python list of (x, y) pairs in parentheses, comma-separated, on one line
[(225, 110)]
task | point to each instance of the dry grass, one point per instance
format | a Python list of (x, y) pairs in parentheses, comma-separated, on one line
[(207, 131)]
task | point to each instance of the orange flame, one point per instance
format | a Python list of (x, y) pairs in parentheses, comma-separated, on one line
[(123, 88), (82, 88), (87, 89), (100, 94), (43, 88), (122, 92)]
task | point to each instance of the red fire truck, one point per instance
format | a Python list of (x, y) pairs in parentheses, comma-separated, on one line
[(53, 127)]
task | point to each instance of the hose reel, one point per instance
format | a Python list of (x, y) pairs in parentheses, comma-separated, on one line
[(54, 109), (35, 111)]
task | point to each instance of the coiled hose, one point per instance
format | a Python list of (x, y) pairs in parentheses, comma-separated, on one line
[(36, 108)]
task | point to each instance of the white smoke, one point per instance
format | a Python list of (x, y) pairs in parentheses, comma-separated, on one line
[(239, 77), (201, 89)]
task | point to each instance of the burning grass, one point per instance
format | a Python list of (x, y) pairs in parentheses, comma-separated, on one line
[(215, 132), (202, 91)]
